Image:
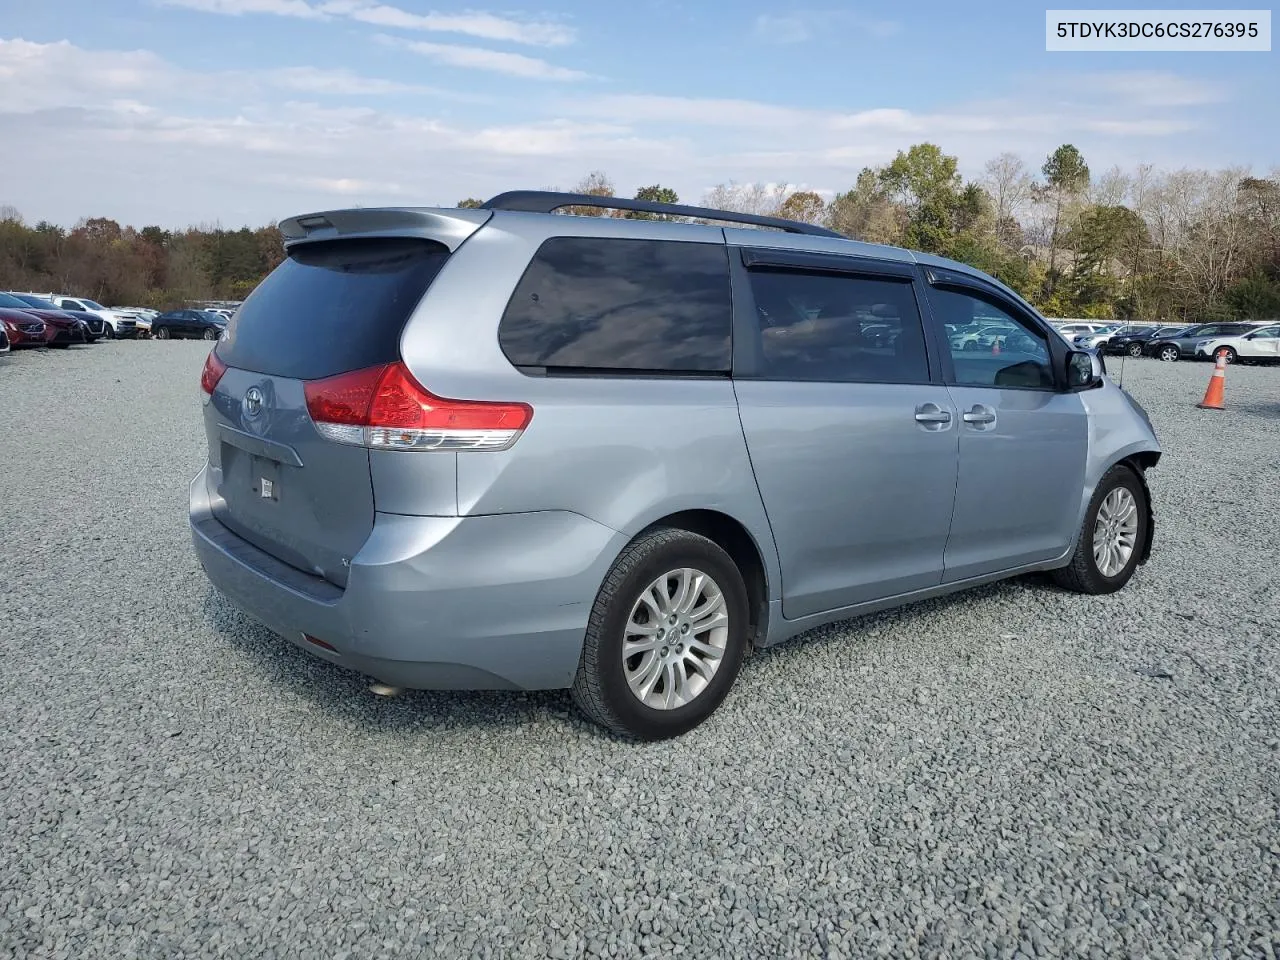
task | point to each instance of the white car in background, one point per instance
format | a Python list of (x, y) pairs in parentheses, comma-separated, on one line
[(1261, 345), (120, 323), (1093, 339), (142, 316)]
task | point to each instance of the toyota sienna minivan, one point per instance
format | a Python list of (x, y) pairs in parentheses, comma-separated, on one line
[(504, 448)]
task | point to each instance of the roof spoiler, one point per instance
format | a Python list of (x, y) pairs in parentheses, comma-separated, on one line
[(446, 226)]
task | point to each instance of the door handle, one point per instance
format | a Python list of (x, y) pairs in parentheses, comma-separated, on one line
[(932, 413), (980, 414)]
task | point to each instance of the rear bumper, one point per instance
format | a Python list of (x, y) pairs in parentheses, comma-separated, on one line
[(433, 603)]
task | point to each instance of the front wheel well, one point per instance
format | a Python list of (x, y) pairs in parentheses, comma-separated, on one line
[(1140, 463), (734, 539)]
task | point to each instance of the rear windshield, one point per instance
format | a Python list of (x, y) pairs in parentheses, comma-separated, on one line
[(332, 307)]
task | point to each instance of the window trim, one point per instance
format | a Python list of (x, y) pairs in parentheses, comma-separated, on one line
[(955, 282), (619, 373), (748, 359)]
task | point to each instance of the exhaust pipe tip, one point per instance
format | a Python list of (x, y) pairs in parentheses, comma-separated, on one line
[(385, 690)]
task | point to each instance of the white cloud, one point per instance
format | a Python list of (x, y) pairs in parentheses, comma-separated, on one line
[(802, 26), (486, 26), (346, 83), (480, 58), (1146, 88), (280, 8), (177, 146)]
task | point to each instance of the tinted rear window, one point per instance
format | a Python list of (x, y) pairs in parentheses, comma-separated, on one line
[(613, 304), (332, 307)]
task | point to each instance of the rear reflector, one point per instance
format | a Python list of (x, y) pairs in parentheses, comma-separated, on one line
[(213, 371), (385, 408), (318, 642)]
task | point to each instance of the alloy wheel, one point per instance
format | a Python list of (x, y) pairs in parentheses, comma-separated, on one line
[(675, 639)]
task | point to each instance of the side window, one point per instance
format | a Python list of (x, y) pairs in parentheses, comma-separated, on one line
[(1267, 333), (838, 328), (990, 346), (646, 305)]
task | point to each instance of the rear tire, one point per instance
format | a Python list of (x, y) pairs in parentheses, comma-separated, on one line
[(162, 333), (1119, 488), (211, 334), (609, 684), (1135, 349), (1168, 353)]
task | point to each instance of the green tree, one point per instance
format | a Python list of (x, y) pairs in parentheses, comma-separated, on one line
[(471, 203), (1066, 178), (865, 212), (805, 206), (925, 181), (653, 194)]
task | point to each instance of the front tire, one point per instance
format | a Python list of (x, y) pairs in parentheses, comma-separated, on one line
[(1135, 349), (162, 333), (1168, 353), (211, 334), (1111, 539), (666, 638), (1227, 353)]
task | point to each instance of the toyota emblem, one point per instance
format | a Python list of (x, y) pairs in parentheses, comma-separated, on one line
[(252, 403)]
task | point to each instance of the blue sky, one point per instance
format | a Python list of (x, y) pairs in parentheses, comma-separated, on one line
[(246, 111)]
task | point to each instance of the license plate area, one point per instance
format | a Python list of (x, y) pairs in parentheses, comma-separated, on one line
[(264, 479)]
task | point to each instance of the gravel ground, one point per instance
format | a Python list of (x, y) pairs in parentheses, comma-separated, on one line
[(1011, 772)]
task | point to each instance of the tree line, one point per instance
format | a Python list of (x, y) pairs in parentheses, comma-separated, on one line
[(122, 266), (1189, 245), (1144, 244)]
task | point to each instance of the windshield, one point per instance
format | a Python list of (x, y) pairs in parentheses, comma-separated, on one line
[(91, 305), (9, 300), (37, 302)]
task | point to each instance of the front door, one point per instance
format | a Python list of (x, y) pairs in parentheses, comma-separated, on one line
[(852, 445), (1023, 441)]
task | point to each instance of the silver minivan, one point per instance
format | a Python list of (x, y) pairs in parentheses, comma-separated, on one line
[(502, 448)]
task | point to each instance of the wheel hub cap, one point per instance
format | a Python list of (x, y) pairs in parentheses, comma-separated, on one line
[(675, 638), (1115, 533)]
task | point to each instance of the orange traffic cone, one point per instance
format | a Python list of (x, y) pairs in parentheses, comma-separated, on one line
[(1217, 383), (995, 347)]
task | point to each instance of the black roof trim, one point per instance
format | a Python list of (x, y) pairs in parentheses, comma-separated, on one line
[(546, 201)]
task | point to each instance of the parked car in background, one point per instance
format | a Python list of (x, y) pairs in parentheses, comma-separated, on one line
[(22, 329), (142, 319), (1074, 328), (671, 444), (1261, 344), (63, 328), (1182, 345), (178, 324), (1094, 339), (114, 323), (1133, 341)]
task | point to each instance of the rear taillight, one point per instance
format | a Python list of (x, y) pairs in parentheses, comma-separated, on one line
[(213, 371), (385, 408)]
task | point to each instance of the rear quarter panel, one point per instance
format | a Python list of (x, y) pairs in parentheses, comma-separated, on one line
[(622, 451)]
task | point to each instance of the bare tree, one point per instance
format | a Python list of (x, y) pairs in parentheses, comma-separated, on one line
[(761, 199), (1111, 189), (1009, 183)]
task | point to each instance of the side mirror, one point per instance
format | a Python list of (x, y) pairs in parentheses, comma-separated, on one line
[(1084, 370), (1251, 336)]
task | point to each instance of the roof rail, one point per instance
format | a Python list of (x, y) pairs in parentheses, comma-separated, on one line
[(547, 201)]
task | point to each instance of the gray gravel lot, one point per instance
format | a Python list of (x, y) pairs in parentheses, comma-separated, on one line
[(1011, 772)]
